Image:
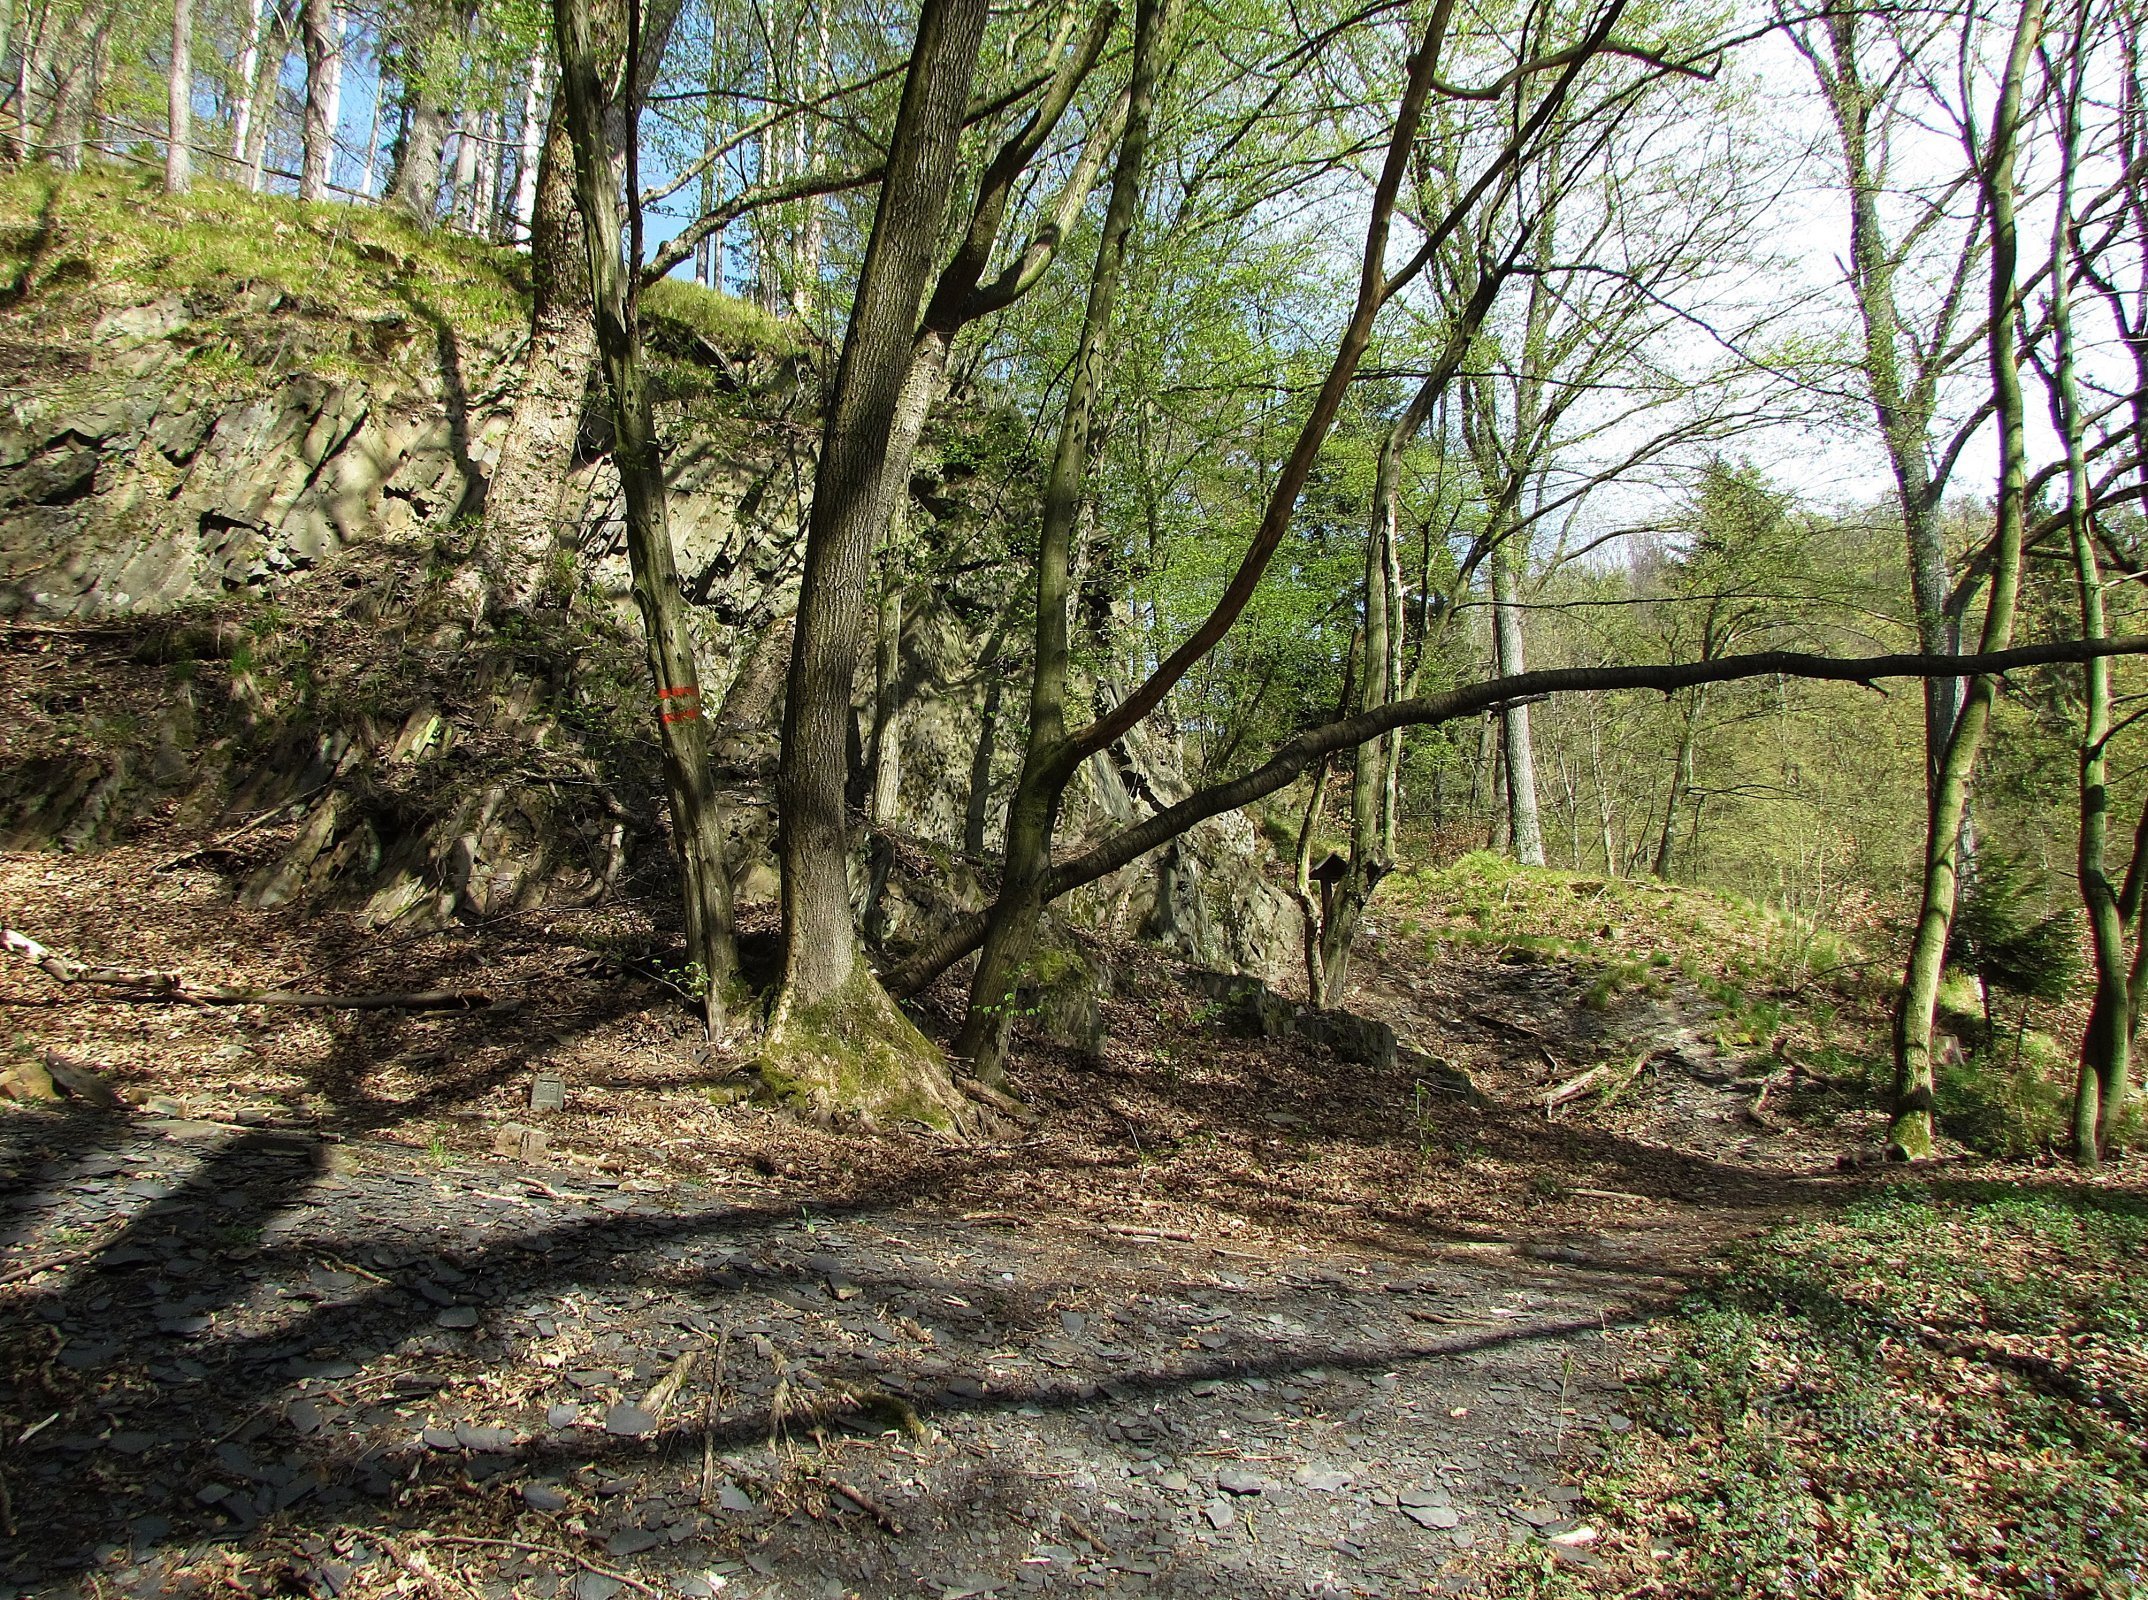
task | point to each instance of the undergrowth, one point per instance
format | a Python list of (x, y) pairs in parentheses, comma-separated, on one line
[(1938, 1393)]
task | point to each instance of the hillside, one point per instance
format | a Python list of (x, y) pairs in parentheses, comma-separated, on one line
[(1555, 1260)]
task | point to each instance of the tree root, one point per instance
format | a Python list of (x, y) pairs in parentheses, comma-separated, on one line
[(855, 1057)]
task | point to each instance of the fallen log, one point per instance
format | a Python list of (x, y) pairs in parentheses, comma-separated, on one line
[(146, 986)]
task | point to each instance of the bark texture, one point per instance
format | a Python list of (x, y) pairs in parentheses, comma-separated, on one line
[(179, 128), (322, 67), (824, 984)]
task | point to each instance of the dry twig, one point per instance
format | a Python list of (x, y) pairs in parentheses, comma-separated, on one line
[(556, 1551)]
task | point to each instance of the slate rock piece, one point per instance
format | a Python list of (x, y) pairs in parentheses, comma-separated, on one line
[(1432, 1516), (544, 1497), (595, 1586), (629, 1421), (457, 1317), (1236, 1480), (491, 1441), (732, 1498), (562, 1415), (632, 1541), (1219, 1513), (1323, 1480)]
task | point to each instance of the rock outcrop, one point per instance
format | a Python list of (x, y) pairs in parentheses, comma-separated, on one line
[(277, 511)]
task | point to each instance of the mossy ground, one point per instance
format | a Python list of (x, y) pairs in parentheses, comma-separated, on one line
[(63, 233)]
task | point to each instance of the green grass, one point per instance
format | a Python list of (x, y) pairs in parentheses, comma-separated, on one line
[(1935, 1395), (732, 325), (107, 225)]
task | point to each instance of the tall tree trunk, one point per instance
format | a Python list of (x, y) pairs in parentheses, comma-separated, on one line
[(74, 89), (98, 131), (415, 188), (323, 67), (469, 134), (1524, 826), (696, 812), (242, 121), (1696, 707), (806, 274), (2100, 1086), (533, 126), (27, 36), (1902, 403), (526, 500), (1050, 758), (179, 126), (886, 747), (372, 142), (1604, 810), (276, 25), (1342, 904), (484, 224), (1910, 1131), (830, 1008), (977, 809)]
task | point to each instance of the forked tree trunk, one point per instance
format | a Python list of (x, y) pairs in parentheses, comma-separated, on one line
[(1910, 1131), (1050, 759), (696, 813), (1902, 402), (835, 1040)]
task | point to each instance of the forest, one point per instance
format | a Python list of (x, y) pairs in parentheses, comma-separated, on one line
[(1315, 640)]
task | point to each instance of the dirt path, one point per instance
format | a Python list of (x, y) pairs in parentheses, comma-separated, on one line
[(1237, 1318), (294, 1343)]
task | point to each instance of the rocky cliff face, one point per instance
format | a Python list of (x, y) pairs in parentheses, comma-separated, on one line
[(265, 515)]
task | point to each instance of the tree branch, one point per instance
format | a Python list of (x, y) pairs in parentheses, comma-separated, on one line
[(1302, 750)]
